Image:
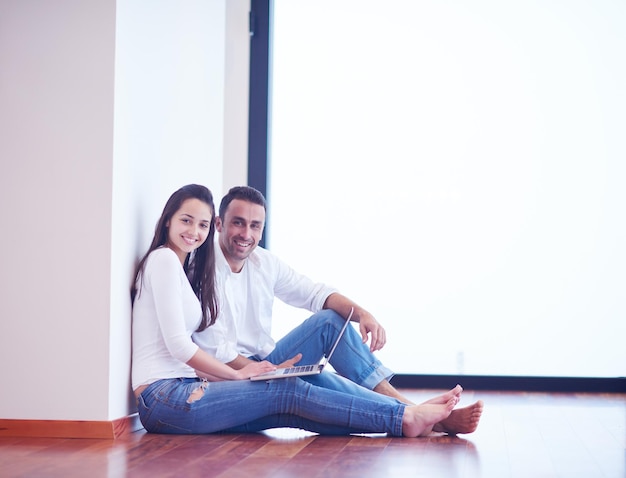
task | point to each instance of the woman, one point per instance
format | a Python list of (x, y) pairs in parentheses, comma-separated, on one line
[(171, 300)]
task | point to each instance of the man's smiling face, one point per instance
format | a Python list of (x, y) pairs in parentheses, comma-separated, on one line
[(240, 231)]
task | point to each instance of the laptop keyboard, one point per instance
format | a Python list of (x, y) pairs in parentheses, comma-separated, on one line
[(300, 368)]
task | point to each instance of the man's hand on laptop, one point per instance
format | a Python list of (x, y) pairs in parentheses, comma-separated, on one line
[(290, 362)]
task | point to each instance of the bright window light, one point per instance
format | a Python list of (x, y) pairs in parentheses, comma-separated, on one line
[(458, 168)]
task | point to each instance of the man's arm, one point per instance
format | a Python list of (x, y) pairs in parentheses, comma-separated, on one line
[(367, 323)]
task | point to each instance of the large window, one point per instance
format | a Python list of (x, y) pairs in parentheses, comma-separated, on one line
[(459, 169)]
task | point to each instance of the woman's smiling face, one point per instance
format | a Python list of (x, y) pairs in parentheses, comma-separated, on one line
[(189, 227)]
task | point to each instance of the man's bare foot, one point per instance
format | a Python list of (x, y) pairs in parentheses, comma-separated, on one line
[(385, 388), (418, 420), (455, 392), (461, 420)]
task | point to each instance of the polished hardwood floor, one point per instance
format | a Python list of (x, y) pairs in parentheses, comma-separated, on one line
[(521, 435)]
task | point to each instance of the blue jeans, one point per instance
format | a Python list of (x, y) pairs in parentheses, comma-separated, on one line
[(246, 406), (315, 337)]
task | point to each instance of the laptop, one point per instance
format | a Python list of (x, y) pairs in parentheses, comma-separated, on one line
[(300, 370)]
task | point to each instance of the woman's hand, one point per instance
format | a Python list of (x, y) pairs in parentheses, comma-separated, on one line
[(255, 368), (209, 367)]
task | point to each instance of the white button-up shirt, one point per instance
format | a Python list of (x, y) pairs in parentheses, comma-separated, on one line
[(246, 301)]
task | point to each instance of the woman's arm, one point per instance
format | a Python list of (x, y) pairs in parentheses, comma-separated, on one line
[(173, 300), (213, 370)]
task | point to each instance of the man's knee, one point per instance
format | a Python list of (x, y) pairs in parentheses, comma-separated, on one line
[(327, 316)]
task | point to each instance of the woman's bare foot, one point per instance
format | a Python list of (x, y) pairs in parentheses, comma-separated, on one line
[(418, 420), (461, 420)]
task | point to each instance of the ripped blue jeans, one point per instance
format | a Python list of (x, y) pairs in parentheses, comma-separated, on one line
[(193, 406)]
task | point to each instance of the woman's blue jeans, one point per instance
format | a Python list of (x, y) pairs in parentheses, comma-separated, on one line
[(315, 337), (191, 406)]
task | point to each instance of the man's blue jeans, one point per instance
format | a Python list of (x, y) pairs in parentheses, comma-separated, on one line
[(352, 359)]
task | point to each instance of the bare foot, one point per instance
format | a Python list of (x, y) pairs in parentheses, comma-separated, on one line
[(455, 392), (461, 420), (385, 388), (418, 420)]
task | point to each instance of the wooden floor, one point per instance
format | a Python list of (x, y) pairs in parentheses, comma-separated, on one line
[(521, 435)]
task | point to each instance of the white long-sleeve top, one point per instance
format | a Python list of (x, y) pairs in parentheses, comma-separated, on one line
[(244, 325), (166, 312)]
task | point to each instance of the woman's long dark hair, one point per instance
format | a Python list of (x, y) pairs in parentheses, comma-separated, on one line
[(201, 274)]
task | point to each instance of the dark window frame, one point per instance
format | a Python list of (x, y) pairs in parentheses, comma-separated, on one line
[(259, 113)]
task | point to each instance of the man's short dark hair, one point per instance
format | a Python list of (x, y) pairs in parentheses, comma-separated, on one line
[(245, 193)]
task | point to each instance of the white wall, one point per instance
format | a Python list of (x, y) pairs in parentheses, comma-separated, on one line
[(56, 149), (108, 107), (237, 71)]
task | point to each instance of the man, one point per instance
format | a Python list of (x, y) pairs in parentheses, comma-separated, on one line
[(250, 277)]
